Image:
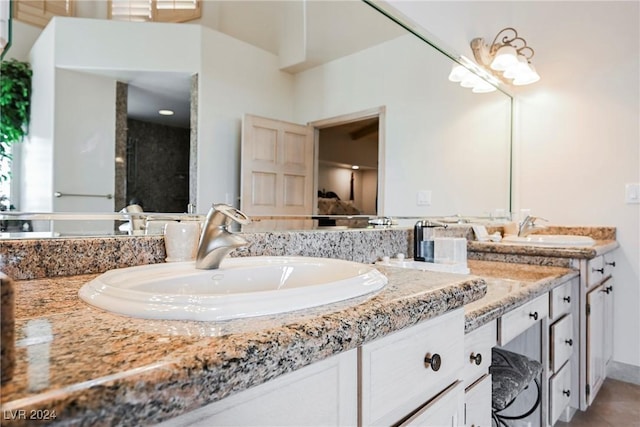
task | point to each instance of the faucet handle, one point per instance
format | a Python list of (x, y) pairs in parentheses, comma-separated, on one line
[(232, 214), (532, 219), (536, 218)]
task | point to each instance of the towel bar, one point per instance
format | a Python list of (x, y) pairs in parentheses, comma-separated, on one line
[(59, 194)]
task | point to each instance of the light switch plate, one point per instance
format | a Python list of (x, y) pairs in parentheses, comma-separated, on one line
[(423, 198), (632, 193)]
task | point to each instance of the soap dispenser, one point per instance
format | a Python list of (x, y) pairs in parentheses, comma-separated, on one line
[(423, 239)]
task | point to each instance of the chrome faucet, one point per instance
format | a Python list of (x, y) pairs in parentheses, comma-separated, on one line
[(216, 241), (136, 222), (528, 225)]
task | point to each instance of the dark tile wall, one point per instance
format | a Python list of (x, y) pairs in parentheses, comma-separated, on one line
[(158, 166)]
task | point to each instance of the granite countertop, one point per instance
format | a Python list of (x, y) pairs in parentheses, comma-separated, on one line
[(577, 252), (90, 367), (510, 286)]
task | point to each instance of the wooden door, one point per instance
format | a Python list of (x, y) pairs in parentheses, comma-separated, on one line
[(277, 167)]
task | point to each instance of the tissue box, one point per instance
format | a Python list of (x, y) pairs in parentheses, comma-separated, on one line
[(450, 250)]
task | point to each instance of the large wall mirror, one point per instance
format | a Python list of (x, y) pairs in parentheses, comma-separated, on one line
[(376, 96)]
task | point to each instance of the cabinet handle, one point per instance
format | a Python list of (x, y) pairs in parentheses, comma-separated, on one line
[(434, 362), (599, 270), (567, 299), (566, 392), (476, 358), (608, 289), (612, 263), (569, 341), (534, 315)]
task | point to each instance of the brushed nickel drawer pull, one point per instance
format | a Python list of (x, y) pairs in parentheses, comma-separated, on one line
[(475, 358), (534, 315), (434, 362)]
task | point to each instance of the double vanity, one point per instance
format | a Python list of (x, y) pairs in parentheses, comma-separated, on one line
[(413, 352)]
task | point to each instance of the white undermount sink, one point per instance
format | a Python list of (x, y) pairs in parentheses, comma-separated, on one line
[(550, 240), (241, 287)]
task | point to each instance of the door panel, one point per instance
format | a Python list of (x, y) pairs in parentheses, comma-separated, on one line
[(277, 167)]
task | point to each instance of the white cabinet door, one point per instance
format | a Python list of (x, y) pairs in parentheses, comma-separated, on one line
[(477, 352), (560, 300), (560, 392), (406, 369), (561, 342), (513, 323), (477, 404), (595, 270), (446, 410), (322, 394), (595, 341), (608, 319)]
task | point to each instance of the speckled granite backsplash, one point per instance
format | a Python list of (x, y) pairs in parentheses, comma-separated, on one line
[(36, 259)]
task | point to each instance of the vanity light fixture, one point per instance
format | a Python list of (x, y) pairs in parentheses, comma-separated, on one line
[(467, 78), (165, 112), (508, 57)]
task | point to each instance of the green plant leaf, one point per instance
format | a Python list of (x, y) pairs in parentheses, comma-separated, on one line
[(15, 104)]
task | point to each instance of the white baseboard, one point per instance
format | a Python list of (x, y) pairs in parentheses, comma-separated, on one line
[(624, 372)]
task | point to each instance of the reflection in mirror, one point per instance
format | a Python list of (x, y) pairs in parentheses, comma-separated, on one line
[(436, 140)]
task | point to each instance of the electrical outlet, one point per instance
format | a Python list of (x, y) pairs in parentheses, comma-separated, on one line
[(423, 198), (632, 193)]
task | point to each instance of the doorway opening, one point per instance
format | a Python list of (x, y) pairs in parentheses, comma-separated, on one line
[(156, 154), (348, 163)]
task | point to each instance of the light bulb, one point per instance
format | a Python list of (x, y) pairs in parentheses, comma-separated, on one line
[(520, 69), (483, 87), (471, 80), (505, 58), (531, 77), (458, 73)]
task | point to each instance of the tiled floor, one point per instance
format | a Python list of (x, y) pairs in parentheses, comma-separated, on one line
[(617, 405)]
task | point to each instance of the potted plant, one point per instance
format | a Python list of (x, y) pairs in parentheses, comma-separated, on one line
[(15, 103)]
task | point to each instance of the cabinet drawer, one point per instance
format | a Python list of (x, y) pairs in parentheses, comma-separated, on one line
[(445, 410), (396, 378), (609, 261), (560, 300), (477, 404), (559, 392), (522, 318), (562, 342), (595, 271), (477, 352)]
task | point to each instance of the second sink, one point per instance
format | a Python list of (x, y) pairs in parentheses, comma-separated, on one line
[(241, 287), (550, 240)]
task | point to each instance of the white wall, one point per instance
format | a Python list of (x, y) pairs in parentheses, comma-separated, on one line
[(577, 129), (338, 180), (36, 157), (234, 78), (439, 136), (84, 137)]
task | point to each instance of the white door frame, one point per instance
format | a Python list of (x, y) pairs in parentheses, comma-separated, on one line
[(379, 112)]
